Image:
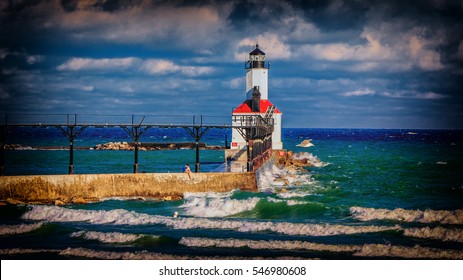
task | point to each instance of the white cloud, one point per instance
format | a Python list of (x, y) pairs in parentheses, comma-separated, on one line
[(425, 58), (33, 59), (387, 48), (371, 50), (87, 88), (194, 71), (270, 42), (143, 22), (360, 92), (148, 66), (163, 66), (299, 29), (236, 83), (411, 94), (159, 66), (78, 64), (127, 89), (388, 66), (29, 59)]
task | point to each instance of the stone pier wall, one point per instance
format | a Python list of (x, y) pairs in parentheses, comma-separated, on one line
[(88, 187)]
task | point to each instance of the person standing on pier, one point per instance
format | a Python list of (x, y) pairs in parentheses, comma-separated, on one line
[(187, 170)]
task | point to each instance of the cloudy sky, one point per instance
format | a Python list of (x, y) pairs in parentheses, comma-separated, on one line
[(356, 64)]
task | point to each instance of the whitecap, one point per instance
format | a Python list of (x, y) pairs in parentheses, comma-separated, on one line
[(289, 202), (188, 195), (271, 177), (109, 237), (416, 252), (292, 194), (267, 245), (19, 251), (399, 214), (135, 255), (366, 250), (438, 233), (293, 202), (124, 217), (18, 229), (217, 207)]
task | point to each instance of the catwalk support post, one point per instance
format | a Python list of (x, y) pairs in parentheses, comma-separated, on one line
[(136, 131), (197, 131), (71, 131)]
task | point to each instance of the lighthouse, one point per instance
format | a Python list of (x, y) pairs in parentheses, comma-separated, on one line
[(257, 101)]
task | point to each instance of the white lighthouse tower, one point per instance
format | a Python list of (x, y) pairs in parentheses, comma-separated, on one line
[(257, 101)]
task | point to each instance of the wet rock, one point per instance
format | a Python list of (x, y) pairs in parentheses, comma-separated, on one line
[(14, 201), (78, 200), (301, 162), (59, 203), (291, 161), (172, 197)]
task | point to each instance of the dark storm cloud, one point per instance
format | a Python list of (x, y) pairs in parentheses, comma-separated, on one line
[(362, 63)]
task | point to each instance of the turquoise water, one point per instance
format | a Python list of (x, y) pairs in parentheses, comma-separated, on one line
[(371, 194)]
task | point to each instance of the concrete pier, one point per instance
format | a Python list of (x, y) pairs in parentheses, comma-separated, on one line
[(93, 187)]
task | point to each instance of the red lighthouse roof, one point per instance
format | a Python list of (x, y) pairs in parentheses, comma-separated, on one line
[(245, 107)]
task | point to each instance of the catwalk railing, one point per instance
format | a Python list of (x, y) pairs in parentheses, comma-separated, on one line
[(252, 127)]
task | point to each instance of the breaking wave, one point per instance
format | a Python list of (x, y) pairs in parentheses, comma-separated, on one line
[(271, 176), (438, 233), (216, 204), (95, 254), (110, 255), (292, 194), (289, 202), (124, 217), (110, 237), (399, 214), (270, 245), (18, 229), (370, 250), (416, 252), (314, 160)]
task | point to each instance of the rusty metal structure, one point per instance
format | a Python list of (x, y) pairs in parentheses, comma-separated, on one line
[(255, 129)]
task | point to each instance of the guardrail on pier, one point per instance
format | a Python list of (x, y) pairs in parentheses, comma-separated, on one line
[(252, 127)]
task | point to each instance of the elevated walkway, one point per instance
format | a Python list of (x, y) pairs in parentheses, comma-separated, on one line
[(252, 127)]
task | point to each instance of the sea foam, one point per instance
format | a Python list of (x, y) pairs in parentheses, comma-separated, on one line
[(314, 160), (438, 233), (110, 237), (399, 214), (370, 250), (18, 229), (416, 252), (267, 245), (136, 255), (272, 177), (124, 217), (217, 207)]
